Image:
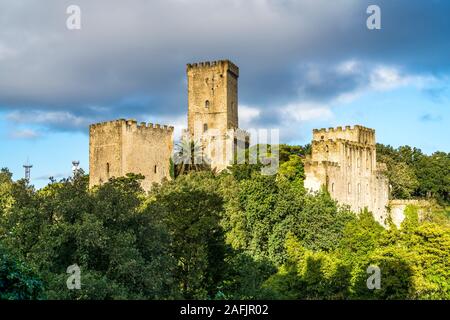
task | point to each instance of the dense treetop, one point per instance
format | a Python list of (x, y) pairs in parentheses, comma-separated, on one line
[(236, 235)]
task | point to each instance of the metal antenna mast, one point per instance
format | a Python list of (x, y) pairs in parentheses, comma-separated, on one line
[(27, 167), (75, 167)]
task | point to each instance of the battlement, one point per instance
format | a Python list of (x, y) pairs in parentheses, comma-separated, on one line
[(131, 123), (346, 128), (226, 64), (356, 133)]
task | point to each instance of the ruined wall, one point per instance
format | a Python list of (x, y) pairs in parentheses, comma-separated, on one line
[(397, 209), (122, 146), (343, 160)]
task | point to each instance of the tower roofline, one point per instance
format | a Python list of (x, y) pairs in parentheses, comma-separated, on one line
[(340, 128), (133, 123), (207, 64)]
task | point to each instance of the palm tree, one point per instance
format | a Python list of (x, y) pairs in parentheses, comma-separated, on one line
[(189, 156)]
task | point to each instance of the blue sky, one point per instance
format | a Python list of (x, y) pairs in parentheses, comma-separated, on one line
[(303, 64)]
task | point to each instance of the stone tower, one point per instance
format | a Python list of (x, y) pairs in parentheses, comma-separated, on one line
[(212, 96), (213, 111), (123, 146), (343, 160)]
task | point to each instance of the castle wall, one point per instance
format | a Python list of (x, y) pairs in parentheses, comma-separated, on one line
[(213, 109), (105, 151), (122, 146), (343, 160), (358, 134)]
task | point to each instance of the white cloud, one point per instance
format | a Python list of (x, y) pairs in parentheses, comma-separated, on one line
[(385, 78), (178, 122), (348, 67), (24, 134), (248, 115), (378, 77), (301, 112), (50, 118)]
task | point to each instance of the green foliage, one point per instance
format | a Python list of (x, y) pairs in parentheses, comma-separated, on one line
[(414, 174), (360, 236), (236, 235), (244, 277), (107, 233), (292, 169), (286, 151), (192, 210), (259, 213), (309, 275), (17, 280), (413, 261)]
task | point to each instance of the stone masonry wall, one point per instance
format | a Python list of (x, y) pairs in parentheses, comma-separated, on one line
[(343, 160), (122, 146)]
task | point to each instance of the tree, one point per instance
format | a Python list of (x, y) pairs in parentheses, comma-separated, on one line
[(309, 274), (261, 211), (189, 157), (292, 169), (106, 231), (414, 174), (403, 180), (191, 209), (17, 280)]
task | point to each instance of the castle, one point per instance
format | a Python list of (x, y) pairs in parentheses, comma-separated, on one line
[(123, 146), (343, 160)]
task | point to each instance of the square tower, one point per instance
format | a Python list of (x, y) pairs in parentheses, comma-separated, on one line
[(343, 160), (212, 96), (124, 146)]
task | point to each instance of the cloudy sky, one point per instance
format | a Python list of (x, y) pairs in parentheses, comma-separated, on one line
[(303, 64)]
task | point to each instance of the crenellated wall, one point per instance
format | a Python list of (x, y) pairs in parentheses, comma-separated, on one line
[(123, 146), (356, 133), (343, 160)]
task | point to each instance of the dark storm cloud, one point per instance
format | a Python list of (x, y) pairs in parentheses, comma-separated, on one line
[(129, 58)]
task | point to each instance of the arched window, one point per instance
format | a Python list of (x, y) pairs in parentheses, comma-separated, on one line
[(207, 104), (332, 187), (205, 127), (155, 169)]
